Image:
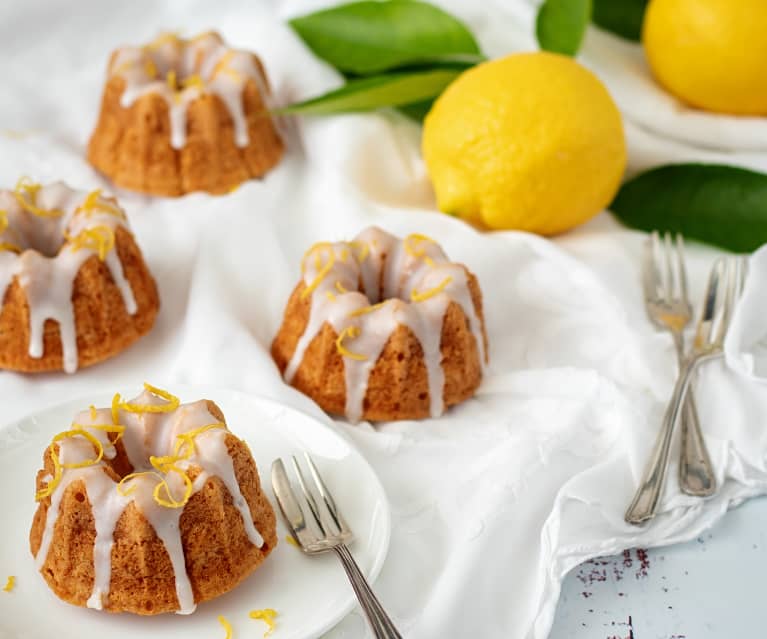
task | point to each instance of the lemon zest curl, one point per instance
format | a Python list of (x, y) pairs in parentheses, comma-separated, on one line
[(425, 295), (227, 626), (93, 202), (58, 467), (323, 268), (368, 309), (26, 195), (266, 615), (100, 239), (351, 332), (8, 246), (173, 403)]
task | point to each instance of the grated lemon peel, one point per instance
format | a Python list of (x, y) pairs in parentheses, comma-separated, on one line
[(168, 501), (9, 584), (412, 244), (25, 193), (118, 429), (193, 81), (425, 295), (222, 66), (322, 268), (120, 69), (58, 467), (170, 80), (351, 332), (184, 439), (100, 239), (166, 464), (368, 309), (150, 68), (93, 203), (8, 246), (172, 404), (292, 541), (170, 37), (227, 626), (362, 247), (266, 615)]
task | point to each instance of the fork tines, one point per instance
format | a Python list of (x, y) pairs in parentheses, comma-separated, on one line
[(665, 275), (317, 499), (728, 274)]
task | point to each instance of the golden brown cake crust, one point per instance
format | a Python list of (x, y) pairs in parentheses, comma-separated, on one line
[(104, 326), (132, 146), (218, 552), (398, 386)]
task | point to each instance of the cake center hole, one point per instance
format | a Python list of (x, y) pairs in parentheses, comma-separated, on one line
[(178, 71), (39, 234)]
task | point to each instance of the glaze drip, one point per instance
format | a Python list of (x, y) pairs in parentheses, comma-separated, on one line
[(54, 230), (366, 288), (146, 435), (180, 71)]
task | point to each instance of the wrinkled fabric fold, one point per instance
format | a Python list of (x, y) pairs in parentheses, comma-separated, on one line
[(492, 503)]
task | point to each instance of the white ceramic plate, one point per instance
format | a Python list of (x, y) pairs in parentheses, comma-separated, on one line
[(310, 594)]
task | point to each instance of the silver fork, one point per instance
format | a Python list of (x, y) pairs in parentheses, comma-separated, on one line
[(334, 535), (668, 306), (725, 286)]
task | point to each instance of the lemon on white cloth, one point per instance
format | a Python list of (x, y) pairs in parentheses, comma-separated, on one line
[(710, 53), (532, 141)]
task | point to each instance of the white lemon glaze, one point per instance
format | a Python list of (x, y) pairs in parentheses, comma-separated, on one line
[(214, 68), (409, 282), (146, 434), (48, 261)]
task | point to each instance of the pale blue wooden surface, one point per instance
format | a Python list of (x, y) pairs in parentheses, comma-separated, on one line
[(714, 587)]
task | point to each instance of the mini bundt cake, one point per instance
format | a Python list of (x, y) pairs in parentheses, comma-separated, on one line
[(149, 507), (381, 328), (74, 287), (184, 115)]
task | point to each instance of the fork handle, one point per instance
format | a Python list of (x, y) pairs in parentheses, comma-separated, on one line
[(381, 624), (645, 502), (696, 475)]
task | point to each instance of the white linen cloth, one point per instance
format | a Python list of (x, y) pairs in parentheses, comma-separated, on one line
[(746, 346), (492, 503)]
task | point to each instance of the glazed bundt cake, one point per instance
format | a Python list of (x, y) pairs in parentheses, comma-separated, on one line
[(74, 287), (149, 507), (381, 328), (184, 115)]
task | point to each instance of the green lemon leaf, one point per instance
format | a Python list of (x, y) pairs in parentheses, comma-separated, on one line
[(417, 110), (561, 24), (364, 38), (721, 205), (621, 17), (386, 90)]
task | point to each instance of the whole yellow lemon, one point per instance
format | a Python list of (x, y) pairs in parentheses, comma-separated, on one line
[(532, 141), (710, 53)]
